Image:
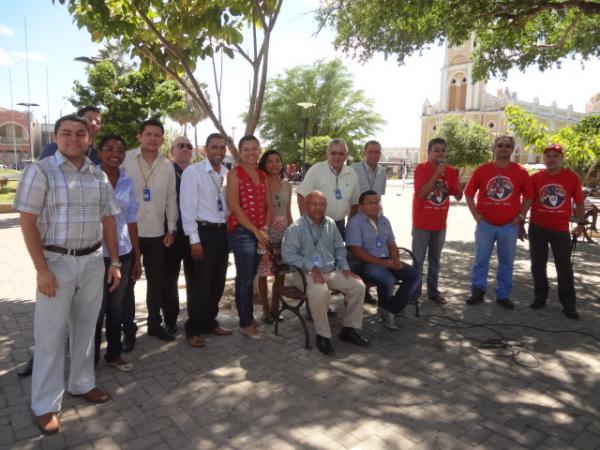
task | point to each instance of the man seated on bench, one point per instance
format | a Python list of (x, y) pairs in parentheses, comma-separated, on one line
[(371, 240), (314, 245)]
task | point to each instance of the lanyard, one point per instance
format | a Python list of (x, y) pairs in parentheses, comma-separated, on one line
[(374, 225), (218, 187), (315, 241), (146, 178), (371, 183), (337, 175)]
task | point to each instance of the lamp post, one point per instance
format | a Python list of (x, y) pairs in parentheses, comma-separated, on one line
[(93, 60), (305, 106), (29, 105)]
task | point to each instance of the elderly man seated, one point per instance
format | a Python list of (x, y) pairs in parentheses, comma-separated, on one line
[(314, 245), (371, 240)]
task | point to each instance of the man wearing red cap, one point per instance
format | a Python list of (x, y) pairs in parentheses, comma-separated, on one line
[(554, 189)]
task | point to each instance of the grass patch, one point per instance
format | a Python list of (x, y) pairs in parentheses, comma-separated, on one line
[(7, 194), (8, 172)]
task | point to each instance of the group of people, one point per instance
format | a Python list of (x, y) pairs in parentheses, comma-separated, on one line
[(92, 217)]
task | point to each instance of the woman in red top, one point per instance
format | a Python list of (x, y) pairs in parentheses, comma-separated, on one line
[(249, 204)]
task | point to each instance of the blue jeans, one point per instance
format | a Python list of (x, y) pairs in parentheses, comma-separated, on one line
[(428, 243), (505, 236), (385, 280), (243, 244)]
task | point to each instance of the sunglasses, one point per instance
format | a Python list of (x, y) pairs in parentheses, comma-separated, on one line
[(182, 146), (337, 153)]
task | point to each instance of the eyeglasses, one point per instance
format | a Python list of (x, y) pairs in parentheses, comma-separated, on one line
[(337, 153), (181, 146), (504, 145)]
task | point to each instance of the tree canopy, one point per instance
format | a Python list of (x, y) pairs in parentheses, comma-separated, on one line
[(507, 33), (468, 143), (126, 99), (170, 37), (340, 110)]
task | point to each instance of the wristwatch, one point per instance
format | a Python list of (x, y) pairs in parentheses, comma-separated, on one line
[(116, 264)]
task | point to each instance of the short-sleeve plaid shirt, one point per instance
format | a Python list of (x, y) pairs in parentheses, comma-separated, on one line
[(70, 202)]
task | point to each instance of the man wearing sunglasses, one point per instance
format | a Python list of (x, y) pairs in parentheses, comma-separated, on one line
[(504, 194), (337, 181)]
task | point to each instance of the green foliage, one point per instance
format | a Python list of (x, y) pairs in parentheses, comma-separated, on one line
[(316, 147), (126, 100), (581, 142), (340, 110), (170, 37), (468, 144), (507, 33)]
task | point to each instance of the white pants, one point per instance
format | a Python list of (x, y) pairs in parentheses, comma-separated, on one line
[(319, 299), (77, 303)]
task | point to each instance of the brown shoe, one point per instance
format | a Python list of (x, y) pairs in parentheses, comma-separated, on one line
[(48, 423), (95, 395), (195, 341), (220, 331)]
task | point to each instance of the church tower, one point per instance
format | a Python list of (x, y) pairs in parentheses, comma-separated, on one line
[(457, 90)]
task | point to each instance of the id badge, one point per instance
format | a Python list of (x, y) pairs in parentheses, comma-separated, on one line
[(219, 204), (338, 194), (316, 261), (147, 195), (379, 242)]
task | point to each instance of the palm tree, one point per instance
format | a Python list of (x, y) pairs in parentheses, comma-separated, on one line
[(191, 113)]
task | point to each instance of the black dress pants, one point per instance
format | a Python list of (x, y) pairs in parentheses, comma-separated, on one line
[(560, 241), (153, 258), (209, 280), (179, 251)]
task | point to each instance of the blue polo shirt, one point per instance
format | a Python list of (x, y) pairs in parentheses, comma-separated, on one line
[(361, 232)]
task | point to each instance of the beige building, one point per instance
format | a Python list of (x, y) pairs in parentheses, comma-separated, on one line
[(460, 97)]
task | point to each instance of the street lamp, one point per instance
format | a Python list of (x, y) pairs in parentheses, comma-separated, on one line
[(93, 60), (29, 105), (305, 106)]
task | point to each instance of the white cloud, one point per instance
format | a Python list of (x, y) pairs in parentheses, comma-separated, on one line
[(6, 31), (33, 56), (5, 60)]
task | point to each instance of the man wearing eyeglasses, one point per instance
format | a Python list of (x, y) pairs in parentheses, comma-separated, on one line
[(93, 117), (504, 194), (181, 151), (336, 181), (435, 182)]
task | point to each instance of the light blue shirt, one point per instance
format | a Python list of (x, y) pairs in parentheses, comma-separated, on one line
[(360, 232), (306, 245), (125, 195)]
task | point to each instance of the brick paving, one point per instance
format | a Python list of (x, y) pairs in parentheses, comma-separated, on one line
[(422, 387)]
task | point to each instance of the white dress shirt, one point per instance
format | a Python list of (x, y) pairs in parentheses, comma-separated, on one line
[(201, 188), (160, 180)]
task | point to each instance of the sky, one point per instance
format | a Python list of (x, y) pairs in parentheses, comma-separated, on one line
[(398, 91)]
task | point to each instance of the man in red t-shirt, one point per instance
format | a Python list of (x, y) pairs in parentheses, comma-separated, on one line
[(554, 191), (503, 197), (435, 182)]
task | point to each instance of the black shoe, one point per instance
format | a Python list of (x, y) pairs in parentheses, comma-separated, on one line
[(128, 343), (537, 304), (331, 313), (351, 335), (171, 329), (369, 299), (476, 297), (26, 370), (571, 313), (324, 345), (505, 303), (161, 334)]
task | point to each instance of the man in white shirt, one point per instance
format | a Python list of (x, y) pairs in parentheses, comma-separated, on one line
[(337, 181), (154, 180), (371, 176), (204, 217)]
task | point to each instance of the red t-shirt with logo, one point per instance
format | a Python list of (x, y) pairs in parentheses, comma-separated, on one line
[(499, 191), (431, 213), (553, 195)]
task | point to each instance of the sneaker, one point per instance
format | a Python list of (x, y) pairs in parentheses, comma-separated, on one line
[(121, 365), (505, 303), (477, 296), (389, 319)]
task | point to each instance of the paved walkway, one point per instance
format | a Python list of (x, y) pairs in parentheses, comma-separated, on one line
[(425, 386)]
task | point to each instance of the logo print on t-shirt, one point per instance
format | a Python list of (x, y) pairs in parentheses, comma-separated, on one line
[(499, 188), (439, 194), (552, 196)]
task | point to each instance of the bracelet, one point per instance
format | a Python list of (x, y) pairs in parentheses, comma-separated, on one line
[(116, 264)]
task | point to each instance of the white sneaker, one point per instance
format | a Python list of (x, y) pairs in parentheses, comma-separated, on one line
[(389, 319)]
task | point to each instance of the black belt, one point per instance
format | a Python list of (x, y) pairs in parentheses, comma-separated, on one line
[(72, 251), (204, 223)]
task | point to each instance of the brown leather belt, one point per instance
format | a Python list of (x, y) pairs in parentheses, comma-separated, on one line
[(72, 251)]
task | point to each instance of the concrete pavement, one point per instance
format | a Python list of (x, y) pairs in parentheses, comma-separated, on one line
[(426, 386)]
